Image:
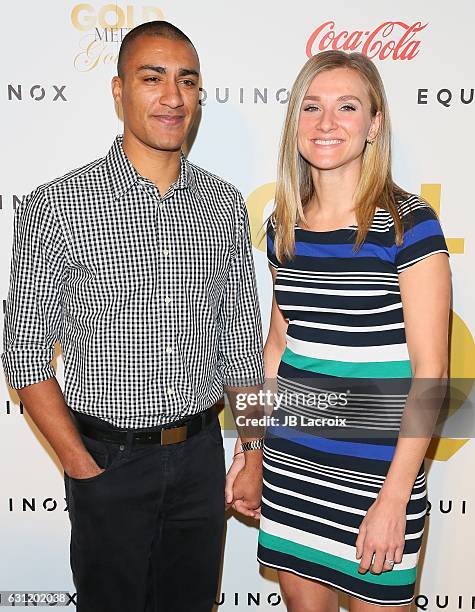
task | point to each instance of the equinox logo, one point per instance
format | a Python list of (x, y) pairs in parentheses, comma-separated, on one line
[(241, 95), (15, 200), (33, 504), (11, 408), (447, 506), (249, 599), (37, 93), (444, 602)]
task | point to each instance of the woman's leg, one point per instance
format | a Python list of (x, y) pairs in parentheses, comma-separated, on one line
[(306, 595), (356, 605)]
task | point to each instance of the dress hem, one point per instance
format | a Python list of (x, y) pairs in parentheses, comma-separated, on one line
[(339, 588)]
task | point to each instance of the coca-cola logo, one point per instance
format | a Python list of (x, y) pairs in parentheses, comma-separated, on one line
[(391, 40)]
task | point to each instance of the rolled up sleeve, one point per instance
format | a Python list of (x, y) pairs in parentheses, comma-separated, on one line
[(33, 314), (240, 346)]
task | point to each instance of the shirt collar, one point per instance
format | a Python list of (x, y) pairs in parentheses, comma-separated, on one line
[(123, 175)]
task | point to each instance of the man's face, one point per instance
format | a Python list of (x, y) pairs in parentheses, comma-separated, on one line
[(158, 91)]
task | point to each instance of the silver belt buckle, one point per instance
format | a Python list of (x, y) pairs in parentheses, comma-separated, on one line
[(173, 435)]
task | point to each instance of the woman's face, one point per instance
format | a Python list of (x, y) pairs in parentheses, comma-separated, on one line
[(335, 120)]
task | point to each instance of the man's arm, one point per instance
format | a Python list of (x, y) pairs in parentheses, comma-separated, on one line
[(241, 355), (273, 349), (44, 402), (33, 321)]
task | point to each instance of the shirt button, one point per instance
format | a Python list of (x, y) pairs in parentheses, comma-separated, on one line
[(165, 252), (168, 300), (161, 205), (169, 349), (170, 391)]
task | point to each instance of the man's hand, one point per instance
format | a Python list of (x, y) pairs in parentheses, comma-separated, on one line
[(84, 467), (247, 489), (45, 404), (244, 483)]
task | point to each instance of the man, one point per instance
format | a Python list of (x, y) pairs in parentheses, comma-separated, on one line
[(140, 265)]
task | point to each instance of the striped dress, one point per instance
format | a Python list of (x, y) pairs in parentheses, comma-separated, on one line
[(342, 385)]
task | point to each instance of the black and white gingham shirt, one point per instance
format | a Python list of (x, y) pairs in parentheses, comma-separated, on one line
[(152, 299)]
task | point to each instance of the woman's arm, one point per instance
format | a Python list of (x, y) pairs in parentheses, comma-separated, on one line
[(426, 296), (275, 343)]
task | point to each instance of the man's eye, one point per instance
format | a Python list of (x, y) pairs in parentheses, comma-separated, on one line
[(151, 79), (189, 83)]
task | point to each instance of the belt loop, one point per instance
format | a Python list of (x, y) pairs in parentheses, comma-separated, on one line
[(130, 438)]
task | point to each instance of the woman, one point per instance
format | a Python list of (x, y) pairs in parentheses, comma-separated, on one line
[(361, 307)]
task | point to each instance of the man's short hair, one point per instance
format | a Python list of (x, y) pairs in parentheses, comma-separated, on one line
[(150, 28)]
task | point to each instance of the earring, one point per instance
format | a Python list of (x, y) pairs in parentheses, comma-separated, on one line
[(370, 142)]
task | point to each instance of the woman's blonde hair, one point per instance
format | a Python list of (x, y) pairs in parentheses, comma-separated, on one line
[(295, 188)]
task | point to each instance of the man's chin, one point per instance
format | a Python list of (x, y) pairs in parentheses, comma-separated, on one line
[(170, 146)]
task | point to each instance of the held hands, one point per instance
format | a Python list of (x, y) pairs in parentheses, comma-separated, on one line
[(244, 482), (381, 535)]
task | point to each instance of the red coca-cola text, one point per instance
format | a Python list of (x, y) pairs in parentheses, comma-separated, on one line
[(392, 39)]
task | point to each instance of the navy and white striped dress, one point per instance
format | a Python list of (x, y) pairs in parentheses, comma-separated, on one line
[(346, 337)]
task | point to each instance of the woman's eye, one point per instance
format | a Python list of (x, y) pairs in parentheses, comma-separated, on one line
[(349, 107), (310, 107)]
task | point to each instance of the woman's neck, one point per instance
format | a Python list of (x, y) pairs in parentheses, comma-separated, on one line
[(333, 199)]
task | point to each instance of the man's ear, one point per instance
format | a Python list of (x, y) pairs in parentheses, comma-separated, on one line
[(117, 90), (116, 86)]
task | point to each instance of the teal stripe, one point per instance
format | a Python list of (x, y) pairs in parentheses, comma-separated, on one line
[(393, 577), (349, 369)]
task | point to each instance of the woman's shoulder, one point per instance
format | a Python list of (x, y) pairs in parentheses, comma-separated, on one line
[(411, 208), (414, 208), (270, 222)]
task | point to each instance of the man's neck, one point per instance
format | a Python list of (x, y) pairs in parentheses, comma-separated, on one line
[(161, 167)]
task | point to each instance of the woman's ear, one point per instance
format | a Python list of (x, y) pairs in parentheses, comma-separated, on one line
[(375, 126)]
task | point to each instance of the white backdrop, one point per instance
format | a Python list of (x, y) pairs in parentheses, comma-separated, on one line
[(57, 113)]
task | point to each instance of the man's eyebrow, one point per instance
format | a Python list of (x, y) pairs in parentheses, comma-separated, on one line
[(162, 70), (339, 99), (188, 72)]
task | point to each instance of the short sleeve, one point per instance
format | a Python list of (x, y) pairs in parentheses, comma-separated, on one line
[(423, 235), (270, 236)]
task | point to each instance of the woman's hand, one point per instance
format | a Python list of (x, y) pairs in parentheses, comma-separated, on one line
[(244, 483), (238, 463), (381, 535)]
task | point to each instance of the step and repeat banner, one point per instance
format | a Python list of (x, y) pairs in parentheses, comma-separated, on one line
[(57, 113)]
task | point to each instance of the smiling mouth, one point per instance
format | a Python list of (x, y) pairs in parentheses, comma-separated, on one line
[(334, 141), (169, 119)]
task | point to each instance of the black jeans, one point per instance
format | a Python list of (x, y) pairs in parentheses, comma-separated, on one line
[(146, 534)]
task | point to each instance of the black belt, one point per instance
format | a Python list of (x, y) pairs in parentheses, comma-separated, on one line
[(168, 434)]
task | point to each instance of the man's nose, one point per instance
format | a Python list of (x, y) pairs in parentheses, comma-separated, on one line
[(171, 95)]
